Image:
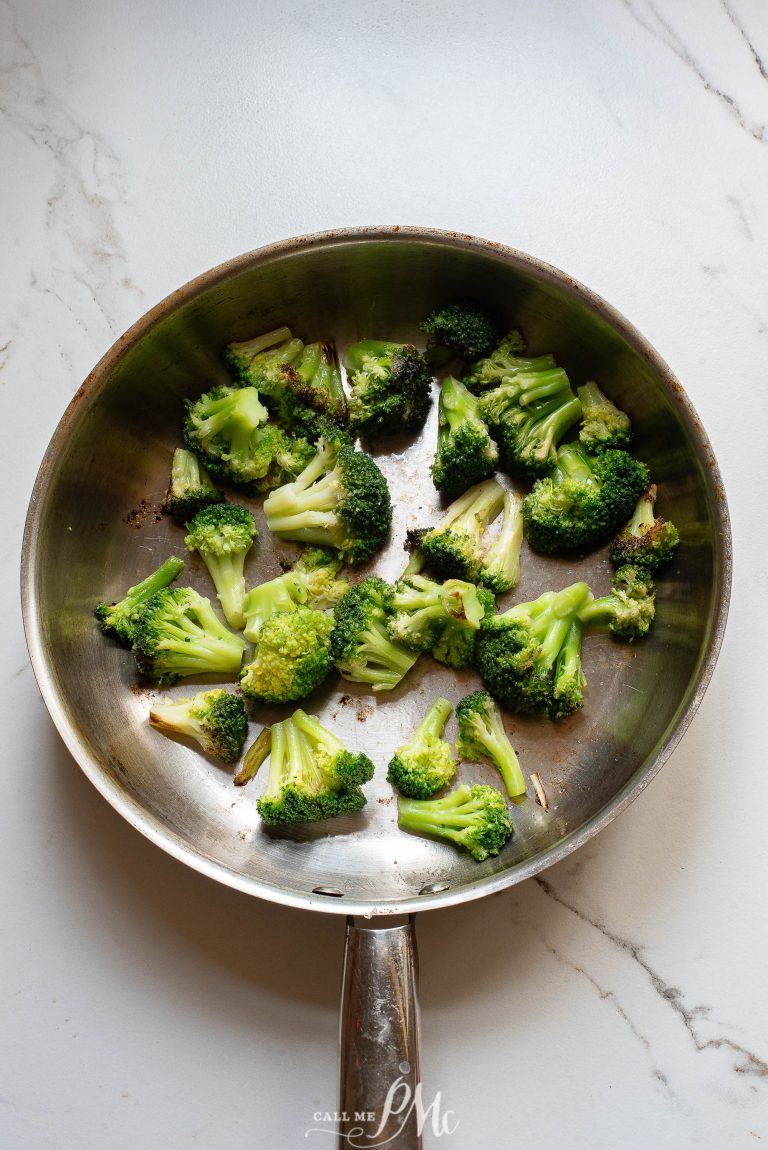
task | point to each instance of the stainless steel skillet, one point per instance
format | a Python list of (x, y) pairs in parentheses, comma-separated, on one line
[(93, 529)]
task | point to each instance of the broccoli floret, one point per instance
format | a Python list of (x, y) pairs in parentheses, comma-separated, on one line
[(317, 569), (647, 540), (283, 456), (454, 550), (361, 646), (215, 719), (603, 424), (629, 610), (504, 362), (178, 633), (292, 656), (297, 383), (583, 501), (466, 453), (518, 653), (339, 500), (191, 487), (458, 330), (311, 582), (222, 535), (501, 563), (119, 619), (224, 425), (422, 609), (528, 415), (456, 644), (312, 776), (475, 818), (425, 764), (482, 736), (390, 385), (254, 361)]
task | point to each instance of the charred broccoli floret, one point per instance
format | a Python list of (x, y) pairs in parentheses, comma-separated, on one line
[(425, 764), (222, 535), (527, 656), (312, 776), (291, 656), (454, 549), (191, 487), (253, 362), (466, 453), (361, 645), (389, 387), (505, 361), (458, 330), (647, 540), (339, 500), (583, 501), (475, 818), (178, 633), (603, 424), (119, 619), (629, 610), (482, 736), (215, 719), (500, 569), (528, 415), (422, 609)]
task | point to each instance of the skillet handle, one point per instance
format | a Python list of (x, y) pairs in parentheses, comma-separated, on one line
[(379, 1070)]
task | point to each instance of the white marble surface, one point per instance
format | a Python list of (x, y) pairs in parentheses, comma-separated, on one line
[(619, 1000)]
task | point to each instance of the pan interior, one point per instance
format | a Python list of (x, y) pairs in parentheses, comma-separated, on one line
[(94, 529)]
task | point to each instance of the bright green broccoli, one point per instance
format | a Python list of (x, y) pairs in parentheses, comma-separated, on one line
[(505, 361), (583, 501), (422, 609), (500, 569), (312, 776), (361, 645), (389, 387), (458, 330), (311, 582), (455, 646), (297, 382), (222, 535), (527, 656), (254, 757), (339, 500), (482, 736), (119, 619), (629, 610), (528, 415), (291, 656), (317, 569), (178, 633), (253, 361), (454, 549), (603, 424), (647, 540), (284, 594), (466, 453), (425, 764), (191, 487), (475, 818), (215, 719)]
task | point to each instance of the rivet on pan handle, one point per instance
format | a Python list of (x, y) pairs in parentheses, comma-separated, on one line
[(379, 1037)]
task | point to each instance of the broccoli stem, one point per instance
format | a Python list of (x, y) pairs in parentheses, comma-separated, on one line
[(474, 510), (457, 407), (536, 386), (445, 817), (276, 761), (226, 571), (359, 352), (159, 579), (569, 662), (317, 735), (644, 513), (549, 430), (293, 498), (385, 663), (185, 469), (266, 600), (252, 347), (434, 721), (572, 461), (591, 395), (254, 757), (502, 559)]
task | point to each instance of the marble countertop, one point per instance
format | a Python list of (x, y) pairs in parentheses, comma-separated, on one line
[(619, 999)]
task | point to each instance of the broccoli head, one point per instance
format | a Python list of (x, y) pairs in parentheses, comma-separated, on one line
[(222, 534), (458, 330), (528, 415), (215, 719), (191, 487), (291, 656), (583, 501), (455, 646), (475, 818), (454, 549), (119, 619), (503, 362), (312, 776), (647, 540), (422, 610), (316, 569), (254, 361), (311, 581), (178, 633), (629, 610), (361, 645), (482, 736), (526, 655), (466, 453), (389, 384), (425, 764), (603, 425), (339, 500)]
